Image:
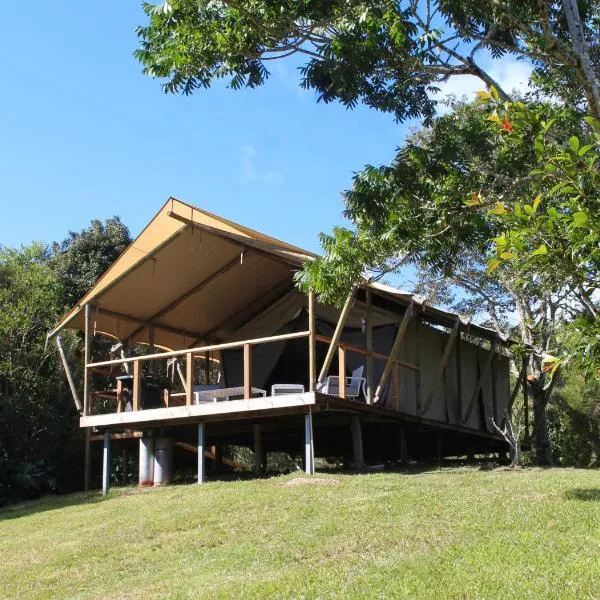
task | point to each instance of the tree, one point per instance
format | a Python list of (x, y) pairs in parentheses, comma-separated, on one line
[(81, 258), (443, 200), (387, 54)]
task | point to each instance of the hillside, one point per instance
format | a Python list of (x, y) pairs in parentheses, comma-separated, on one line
[(455, 533)]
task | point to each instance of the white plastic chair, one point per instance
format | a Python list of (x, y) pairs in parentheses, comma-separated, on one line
[(354, 384), (202, 398)]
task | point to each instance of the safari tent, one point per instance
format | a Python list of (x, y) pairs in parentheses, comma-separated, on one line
[(197, 337)]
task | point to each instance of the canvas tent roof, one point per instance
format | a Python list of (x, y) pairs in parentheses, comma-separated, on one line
[(191, 276)]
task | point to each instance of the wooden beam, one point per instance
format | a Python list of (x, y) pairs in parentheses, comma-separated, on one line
[(312, 342), (189, 379), (86, 360), (395, 387), (197, 288), (482, 376), (342, 372), (87, 462), (408, 315), (120, 396), (124, 317), (337, 334), (199, 350), (247, 371), (106, 463), (67, 369), (137, 385), (127, 435), (369, 333), (439, 374)]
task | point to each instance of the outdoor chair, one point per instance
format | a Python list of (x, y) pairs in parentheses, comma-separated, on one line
[(280, 389), (202, 398), (355, 384)]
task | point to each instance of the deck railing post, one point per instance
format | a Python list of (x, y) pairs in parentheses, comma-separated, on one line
[(312, 343), (247, 371), (189, 378), (137, 385), (342, 372), (86, 360)]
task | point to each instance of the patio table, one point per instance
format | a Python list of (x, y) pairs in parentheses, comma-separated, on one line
[(224, 394)]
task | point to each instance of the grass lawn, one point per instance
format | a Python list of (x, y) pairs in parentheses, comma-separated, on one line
[(450, 533)]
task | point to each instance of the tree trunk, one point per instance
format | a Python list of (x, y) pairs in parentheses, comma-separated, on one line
[(541, 438)]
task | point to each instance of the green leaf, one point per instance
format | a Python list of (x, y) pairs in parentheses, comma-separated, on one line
[(536, 202), (482, 95), (508, 255), (585, 149), (580, 219), (593, 123), (540, 250), (493, 265), (499, 209), (574, 143)]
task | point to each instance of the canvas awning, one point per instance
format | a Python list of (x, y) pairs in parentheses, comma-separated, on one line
[(191, 276)]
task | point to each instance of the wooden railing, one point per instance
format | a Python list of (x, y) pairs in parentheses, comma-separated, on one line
[(344, 347), (191, 355)]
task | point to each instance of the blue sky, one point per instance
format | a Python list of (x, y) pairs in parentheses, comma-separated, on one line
[(85, 135)]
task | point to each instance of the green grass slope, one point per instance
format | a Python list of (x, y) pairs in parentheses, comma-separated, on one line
[(457, 533)]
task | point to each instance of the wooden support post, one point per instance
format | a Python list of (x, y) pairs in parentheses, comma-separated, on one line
[(86, 359), (120, 396), (259, 454), (337, 334), (312, 344), (394, 351), (247, 371), (137, 385), (201, 444), (189, 379), (482, 376), (357, 442), (87, 466), (309, 449), (439, 375), (65, 365), (217, 452), (106, 463), (342, 372), (369, 333)]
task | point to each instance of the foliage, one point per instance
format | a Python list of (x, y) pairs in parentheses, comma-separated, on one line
[(448, 533), (388, 54), (80, 259), (40, 442), (37, 421)]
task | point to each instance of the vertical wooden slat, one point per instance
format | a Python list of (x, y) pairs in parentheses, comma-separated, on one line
[(247, 371), (189, 378), (312, 344), (86, 360), (369, 345), (337, 334), (137, 385), (342, 372), (394, 351)]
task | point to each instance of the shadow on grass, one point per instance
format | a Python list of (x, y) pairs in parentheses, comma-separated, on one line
[(583, 494), (47, 503)]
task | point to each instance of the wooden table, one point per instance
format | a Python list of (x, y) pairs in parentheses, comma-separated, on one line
[(224, 394)]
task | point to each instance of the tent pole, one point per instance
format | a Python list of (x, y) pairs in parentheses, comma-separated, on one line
[(309, 448), (106, 463), (67, 369), (201, 461), (337, 334)]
